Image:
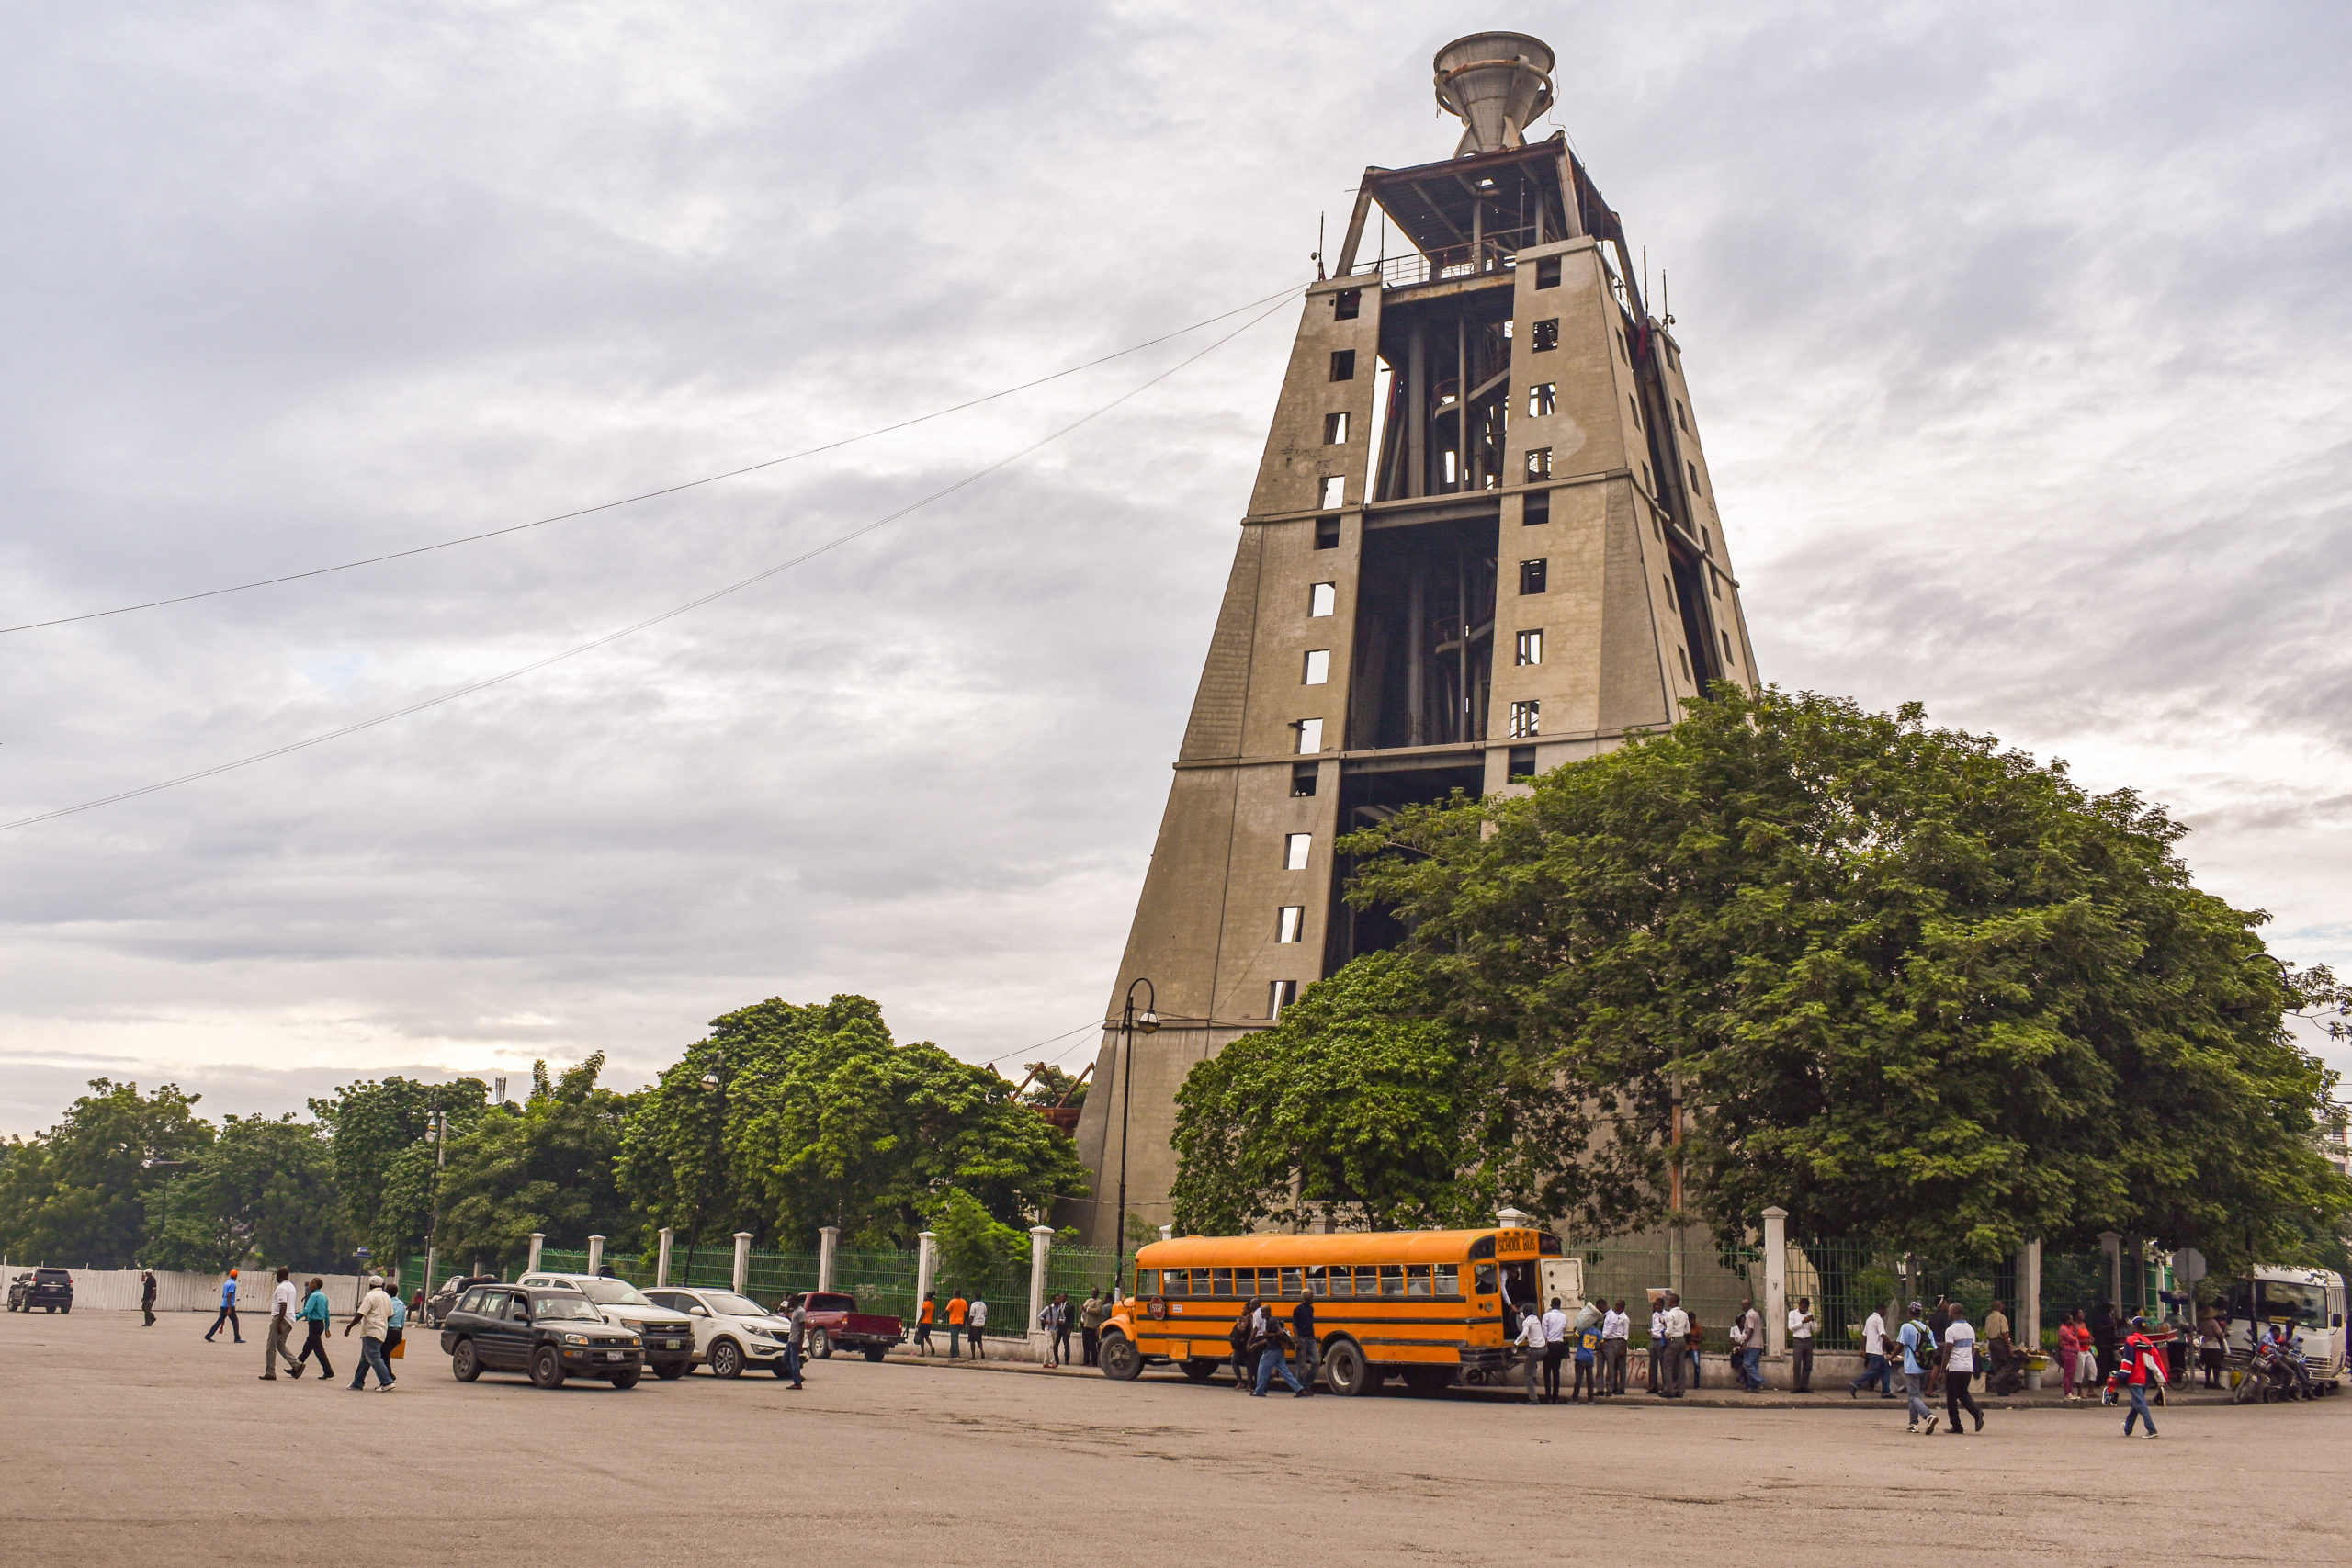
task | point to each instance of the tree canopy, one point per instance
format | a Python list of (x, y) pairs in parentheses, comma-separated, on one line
[(1910, 985), (80, 1191)]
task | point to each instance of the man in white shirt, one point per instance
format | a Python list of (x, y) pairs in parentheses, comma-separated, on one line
[(1657, 1342), (1616, 1329), (1960, 1365), (976, 1326), (1801, 1322), (1874, 1367), (1555, 1347), (1531, 1344), (281, 1324), (374, 1320), (1675, 1326)]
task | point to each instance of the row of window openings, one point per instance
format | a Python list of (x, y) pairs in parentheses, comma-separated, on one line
[(1361, 1280), (1530, 650)]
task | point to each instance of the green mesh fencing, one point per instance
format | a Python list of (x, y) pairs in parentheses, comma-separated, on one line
[(1710, 1281)]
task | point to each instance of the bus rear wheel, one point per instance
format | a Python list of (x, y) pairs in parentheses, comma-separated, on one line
[(1346, 1370), (1428, 1380), (1200, 1368)]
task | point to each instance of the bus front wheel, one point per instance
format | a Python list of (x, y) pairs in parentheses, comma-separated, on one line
[(1347, 1372), (1120, 1358)]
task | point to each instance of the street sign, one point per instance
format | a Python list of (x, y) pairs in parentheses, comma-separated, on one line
[(2189, 1265)]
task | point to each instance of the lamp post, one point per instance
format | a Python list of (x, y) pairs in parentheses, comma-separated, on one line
[(438, 1129), (1129, 1022), (712, 1084)]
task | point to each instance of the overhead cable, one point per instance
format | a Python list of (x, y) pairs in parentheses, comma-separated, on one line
[(630, 630), (650, 494)]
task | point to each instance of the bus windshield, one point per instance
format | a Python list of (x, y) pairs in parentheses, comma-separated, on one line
[(2306, 1306)]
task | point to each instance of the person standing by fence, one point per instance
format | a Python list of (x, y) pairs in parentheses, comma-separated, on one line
[(316, 1314), (1657, 1344), (2070, 1347), (281, 1329), (1089, 1326), (1748, 1361), (975, 1324), (228, 1311), (1062, 1315), (957, 1307), (1801, 1322), (147, 1296), (1050, 1322), (1671, 1347), (1875, 1370), (1616, 1329), (1960, 1365)]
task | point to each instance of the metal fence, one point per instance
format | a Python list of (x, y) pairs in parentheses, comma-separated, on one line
[(1710, 1281)]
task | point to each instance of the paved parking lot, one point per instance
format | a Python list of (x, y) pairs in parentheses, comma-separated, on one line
[(127, 1445)]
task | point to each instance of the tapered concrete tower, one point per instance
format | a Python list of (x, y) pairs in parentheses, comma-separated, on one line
[(1482, 542)]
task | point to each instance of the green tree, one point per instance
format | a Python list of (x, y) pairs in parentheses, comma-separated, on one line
[(976, 1251), (382, 1160), (814, 1116), (1911, 986), (547, 1166), (262, 1192), (78, 1193)]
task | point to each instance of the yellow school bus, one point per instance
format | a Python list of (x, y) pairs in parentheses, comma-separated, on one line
[(1423, 1305)]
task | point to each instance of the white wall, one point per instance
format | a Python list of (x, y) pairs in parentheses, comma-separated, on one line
[(117, 1289)]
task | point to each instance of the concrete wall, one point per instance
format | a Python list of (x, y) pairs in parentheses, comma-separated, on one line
[(118, 1290)]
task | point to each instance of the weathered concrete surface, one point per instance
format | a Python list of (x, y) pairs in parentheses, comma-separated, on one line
[(121, 1445)]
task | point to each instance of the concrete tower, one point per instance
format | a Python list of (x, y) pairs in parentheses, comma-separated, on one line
[(1482, 542)]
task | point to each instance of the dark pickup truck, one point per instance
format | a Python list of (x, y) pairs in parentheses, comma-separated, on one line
[(52, 1290), (551, 1334), (834, 1324)]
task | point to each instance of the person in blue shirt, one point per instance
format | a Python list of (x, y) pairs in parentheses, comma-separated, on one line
[(1918, 1354), (1587, 1355), (228, 1311), (314, 1314)]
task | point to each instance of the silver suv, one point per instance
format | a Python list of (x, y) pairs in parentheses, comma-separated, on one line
[(669, 1338)]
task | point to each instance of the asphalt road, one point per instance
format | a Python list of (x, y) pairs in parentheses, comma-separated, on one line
[(120, 1445)]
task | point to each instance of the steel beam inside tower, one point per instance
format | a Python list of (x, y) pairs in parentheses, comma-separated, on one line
[(1483, 543)]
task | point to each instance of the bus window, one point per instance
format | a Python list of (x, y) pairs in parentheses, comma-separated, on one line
[(1270, 1282), (1289, 1282), (1221, 1281), (1319, 1280), (1200, 1281), (1448, 1278), (1367, 1280), (1147, 1282), (1483, 1280), (1392, 1278), (1342, 1283), (1416, 1279)]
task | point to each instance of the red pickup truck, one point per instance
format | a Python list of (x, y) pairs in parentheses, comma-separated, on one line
[(834, 1324)]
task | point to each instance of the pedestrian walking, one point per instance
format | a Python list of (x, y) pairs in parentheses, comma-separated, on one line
[(1063, 1313), (1919, 1354), (1091, 1314), (315, 1316), (228, 1311), (1556, 1335), (1238, 1338), (281, 1329), (1532, 1345), (1674, 1335), (1801, 1325), (147, 1297), (1302, 1336), (373, 1318), (1272, 1347), (1657, 1342), (1876, 1372), (1748, 1346), (396, 1328), (795, 1339), (923, 1314), (2141, 1351), (1052, 1323), (1616, 1330), (976, 1326), (957, 1307), (1960, 1365)]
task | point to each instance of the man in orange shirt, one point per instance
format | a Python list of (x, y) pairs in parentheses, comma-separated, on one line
[(929, 1310), (957, 1307)]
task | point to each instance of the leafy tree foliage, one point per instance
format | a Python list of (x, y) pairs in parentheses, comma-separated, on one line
[(1911, 984), (381, 1159), (78, 1194), (816, 1117), (977, 1250), (262, 1191), (545, 1166)]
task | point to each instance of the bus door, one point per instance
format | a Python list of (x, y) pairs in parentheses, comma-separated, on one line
[(1519, 1285), (1564, 1280)]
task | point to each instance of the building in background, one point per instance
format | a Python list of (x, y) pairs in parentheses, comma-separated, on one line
[(1482, 542)]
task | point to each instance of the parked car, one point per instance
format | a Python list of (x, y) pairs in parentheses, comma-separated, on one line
[(835, 1323), (669, 1338), (551, 1334), (732, 1332), (437, 1305), (52, 1290)]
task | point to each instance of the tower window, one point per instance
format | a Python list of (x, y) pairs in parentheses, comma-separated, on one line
[(1530, 577), (1546, 335), (1335, 491), (1635, 404), (1301, 779), (1279, 994), (1530, 647), (1646, 484), (1682, 416), (1668, 583), (1290, 922), (1547, 272), (1310, 740), (1536, 508), (1521, 765), (1525, 719), (1542, 399), (1318, 667), (1683, 654), (1326, 533), (1715, 580), (1322, 599), (1343, 365), (1728, 660), (1694, 476), (1295, 848), (1539, 463), (1347, 303), (1335, 429)]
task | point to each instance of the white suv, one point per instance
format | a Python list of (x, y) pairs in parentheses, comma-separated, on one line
[(732, 1332), (669, 1338)]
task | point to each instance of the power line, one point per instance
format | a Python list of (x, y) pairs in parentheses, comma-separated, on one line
[(650, 494), (737, 586), (1009, 1056)]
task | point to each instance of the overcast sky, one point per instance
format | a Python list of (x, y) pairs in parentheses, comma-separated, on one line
[(2017, 334)]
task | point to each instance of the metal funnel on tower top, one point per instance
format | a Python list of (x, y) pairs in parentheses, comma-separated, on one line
[(1497, 83)]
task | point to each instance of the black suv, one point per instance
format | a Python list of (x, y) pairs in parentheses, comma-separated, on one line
[(52, 1290), (551, 1334), (444, 1300)]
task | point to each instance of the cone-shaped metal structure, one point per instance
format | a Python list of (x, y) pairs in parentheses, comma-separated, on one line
[(1497, 83)]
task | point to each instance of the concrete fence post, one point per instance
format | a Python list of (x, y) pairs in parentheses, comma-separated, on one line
[(2029, 1304), (662, 1260), (539, 1239), (1776, 1283), (926, 1265), (1512, 1220), (829, 1243), (743, 1262), (596, 1253), (1040, 1251), (1168, 1233)]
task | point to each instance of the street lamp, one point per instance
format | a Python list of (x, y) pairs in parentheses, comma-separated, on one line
[(712, 1084), (1129, 1022), (437, 1130)]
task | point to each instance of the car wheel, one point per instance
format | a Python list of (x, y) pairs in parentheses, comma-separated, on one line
[(1345, 1370), (67, 1308), (671, 1371), (726, 1359), (1200, 1368), (1121, 1360), (876, 1352), (547, 1367), (820, 1344), (465, 1362), (624, 1380)]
